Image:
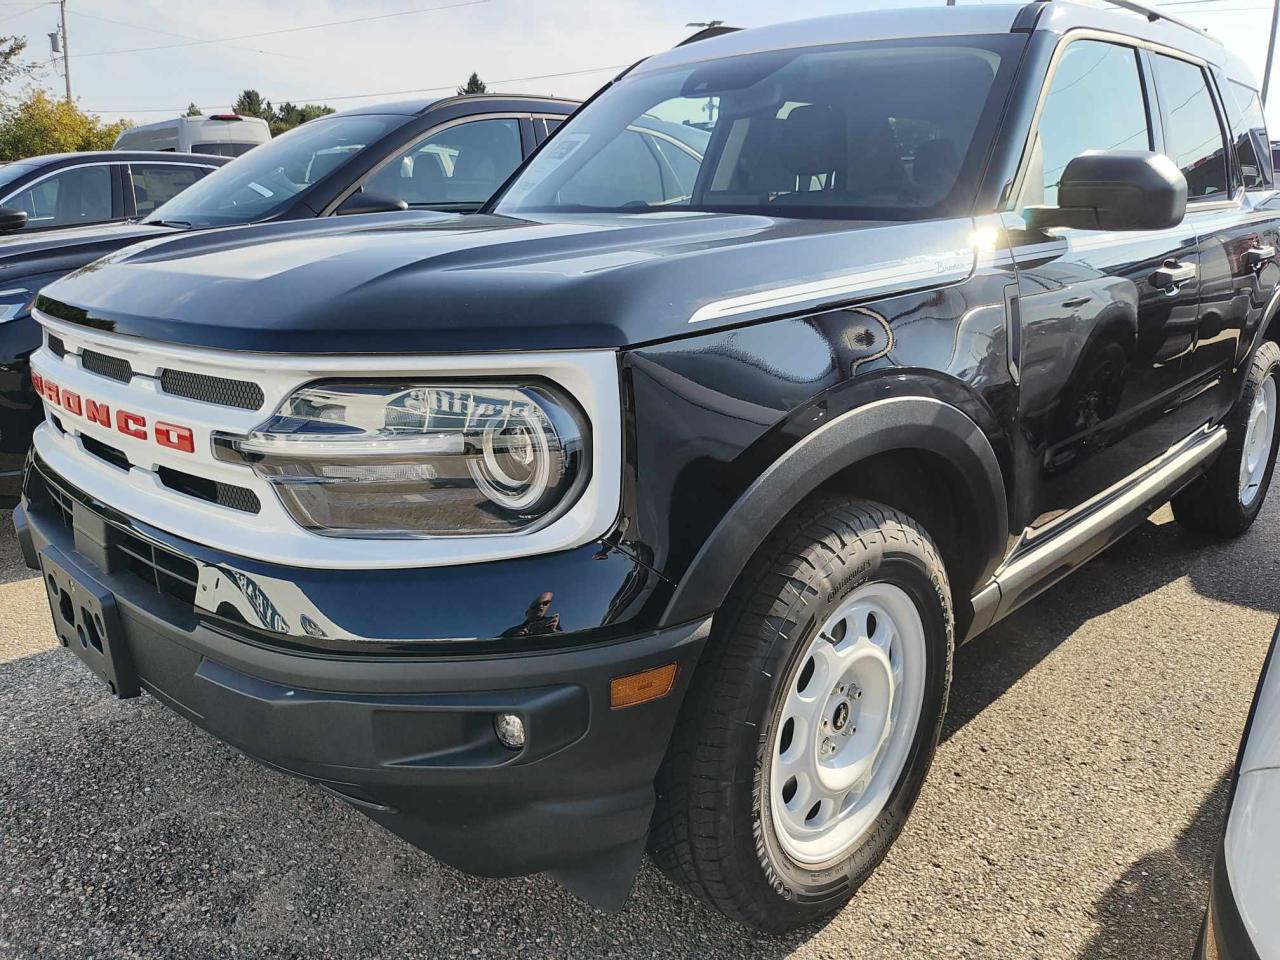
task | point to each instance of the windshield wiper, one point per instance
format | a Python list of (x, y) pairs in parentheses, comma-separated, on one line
[(180, 224)]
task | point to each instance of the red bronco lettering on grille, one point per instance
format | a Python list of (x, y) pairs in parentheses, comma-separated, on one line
[(169, 435)]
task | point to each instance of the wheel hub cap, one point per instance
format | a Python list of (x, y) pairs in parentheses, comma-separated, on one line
[(1257, 444), (846, 723)]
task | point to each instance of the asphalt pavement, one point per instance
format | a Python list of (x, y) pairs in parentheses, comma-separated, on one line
[(1072, 812)]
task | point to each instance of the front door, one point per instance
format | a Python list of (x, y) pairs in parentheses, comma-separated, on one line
[(1108, 318)]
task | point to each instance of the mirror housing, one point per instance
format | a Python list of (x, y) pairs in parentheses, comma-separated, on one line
[(12, 219), (1116, 190), (361, 202)]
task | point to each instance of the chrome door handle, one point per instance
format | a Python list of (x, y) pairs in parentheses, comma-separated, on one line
[(1173, 275), (1255, 257)]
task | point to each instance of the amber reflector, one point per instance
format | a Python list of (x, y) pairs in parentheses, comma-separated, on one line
[(641, 687)]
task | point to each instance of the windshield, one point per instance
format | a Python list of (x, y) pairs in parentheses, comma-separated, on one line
[(10, 172), (264, 180), (879, 130)]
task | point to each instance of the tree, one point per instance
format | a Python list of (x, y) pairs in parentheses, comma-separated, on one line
[(289, 115), (193, 110), (39, 124), (251, 104), (12, 69), (473, 85)]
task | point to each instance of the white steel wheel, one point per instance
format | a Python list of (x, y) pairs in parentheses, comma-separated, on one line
[(847, 721), (1259, 434)]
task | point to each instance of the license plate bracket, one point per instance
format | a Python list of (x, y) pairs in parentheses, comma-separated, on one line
[(87, 621)]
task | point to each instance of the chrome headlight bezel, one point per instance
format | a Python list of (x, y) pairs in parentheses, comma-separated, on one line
[(339, 453)]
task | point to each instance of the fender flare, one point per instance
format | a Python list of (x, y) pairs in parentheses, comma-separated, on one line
[(895, 423)]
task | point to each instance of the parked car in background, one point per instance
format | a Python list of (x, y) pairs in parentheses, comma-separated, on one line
[(220, 134), (441, 154), (1243, 919), (61, 190), (648, 505), (57, 213)]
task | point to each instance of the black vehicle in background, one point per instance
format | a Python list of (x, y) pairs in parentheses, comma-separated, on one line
[(442, 154), (57, 213)]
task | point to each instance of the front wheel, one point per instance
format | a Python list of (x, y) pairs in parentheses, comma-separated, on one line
[(1227, 499), (813, 717)]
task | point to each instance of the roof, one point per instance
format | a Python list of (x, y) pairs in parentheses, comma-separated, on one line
[(414, 107), (936, 21), (122, 156)]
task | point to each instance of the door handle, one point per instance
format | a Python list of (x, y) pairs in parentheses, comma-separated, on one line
[(1255, 257), (1173, 275)]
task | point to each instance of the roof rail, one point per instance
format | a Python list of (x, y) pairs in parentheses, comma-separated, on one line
[(1153, 14)]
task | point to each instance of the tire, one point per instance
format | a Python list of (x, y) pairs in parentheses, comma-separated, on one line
[(1219, 503), (724, 828)]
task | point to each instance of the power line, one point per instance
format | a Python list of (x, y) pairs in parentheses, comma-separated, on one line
[(171, 33), (276, 33), (394, 93)]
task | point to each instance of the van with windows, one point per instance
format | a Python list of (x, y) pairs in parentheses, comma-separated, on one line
[(221, 134)]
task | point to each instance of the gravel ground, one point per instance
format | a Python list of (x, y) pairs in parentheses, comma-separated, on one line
[(1072, 811)]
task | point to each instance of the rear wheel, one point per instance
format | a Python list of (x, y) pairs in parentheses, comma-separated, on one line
[(812, 719), (1227, 499)]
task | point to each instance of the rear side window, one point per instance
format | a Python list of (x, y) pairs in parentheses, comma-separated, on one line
[(1095, 101), (1249, 131), (79, 195), (1192, 133), (154, 184)]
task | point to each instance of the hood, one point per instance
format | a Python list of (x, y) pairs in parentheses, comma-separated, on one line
[(69, 247), (448, 284)]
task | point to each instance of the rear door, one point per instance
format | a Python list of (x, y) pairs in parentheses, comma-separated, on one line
[(1104, 338), (1217, 135)]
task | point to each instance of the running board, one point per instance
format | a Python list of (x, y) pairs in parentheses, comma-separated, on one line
[(1042, 559)]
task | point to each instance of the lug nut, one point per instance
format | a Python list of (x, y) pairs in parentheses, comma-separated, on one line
[(828, 746)]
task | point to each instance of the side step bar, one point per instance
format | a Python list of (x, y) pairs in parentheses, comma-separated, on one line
[(1041, 560)]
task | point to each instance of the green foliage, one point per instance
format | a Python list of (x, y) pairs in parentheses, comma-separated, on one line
[(282, 118), (473, 85), (12, 69), (289, 115), (193, 110), (38, 124)]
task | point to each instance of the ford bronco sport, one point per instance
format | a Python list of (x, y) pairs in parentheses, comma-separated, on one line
[(647, 505)]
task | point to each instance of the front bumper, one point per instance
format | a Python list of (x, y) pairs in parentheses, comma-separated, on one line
[(409, 740)]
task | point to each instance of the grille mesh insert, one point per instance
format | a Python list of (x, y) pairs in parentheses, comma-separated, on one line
[(103, 365), (220, 390), (56, 346)]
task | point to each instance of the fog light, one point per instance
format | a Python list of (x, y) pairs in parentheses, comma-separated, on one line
[(510, 730)]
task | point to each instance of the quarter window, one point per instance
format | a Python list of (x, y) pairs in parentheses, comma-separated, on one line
[(75, 196), (1249, 130), (1095, 102), (463, 164), (1192, 134)]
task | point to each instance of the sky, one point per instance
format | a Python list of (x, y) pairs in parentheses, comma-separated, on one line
[(139, 58)]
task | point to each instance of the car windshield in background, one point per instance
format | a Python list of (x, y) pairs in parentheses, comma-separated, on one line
[(266, 178), (10, 172), (850, 131)]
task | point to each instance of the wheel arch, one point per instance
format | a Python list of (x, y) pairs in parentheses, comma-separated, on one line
[(917, 454)]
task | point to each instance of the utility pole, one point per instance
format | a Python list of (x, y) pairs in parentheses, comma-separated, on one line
[(67, 53), (1271, 51)]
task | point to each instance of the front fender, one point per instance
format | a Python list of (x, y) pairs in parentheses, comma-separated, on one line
[(895, 423)]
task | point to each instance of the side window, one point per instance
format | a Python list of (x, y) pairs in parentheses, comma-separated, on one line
[(1249, 130), (74, 196), (1095, 102), (155, 184), (1193, 135), (461, 164), (552, 123)]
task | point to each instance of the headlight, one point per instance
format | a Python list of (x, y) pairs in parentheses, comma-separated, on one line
[(420, 459)]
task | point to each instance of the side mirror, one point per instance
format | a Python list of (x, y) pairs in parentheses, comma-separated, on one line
[(11, 219), (1116, 190), (362, 202)]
